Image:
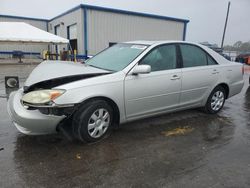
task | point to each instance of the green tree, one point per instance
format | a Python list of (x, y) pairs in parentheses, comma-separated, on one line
[(245, 47), (237, 44)]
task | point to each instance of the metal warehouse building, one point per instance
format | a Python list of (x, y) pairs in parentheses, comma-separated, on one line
[(90, 29)]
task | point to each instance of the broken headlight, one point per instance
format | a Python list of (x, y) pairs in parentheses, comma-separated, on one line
[(42, 96)]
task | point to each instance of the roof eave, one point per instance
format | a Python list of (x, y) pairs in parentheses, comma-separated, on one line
[(85, 6)]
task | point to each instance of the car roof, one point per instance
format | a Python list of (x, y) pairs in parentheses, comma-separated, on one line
[(214, 54), (143, 42), (148, 42)]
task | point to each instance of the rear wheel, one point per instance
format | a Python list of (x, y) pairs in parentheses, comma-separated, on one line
[(216, 100), (92, 121)]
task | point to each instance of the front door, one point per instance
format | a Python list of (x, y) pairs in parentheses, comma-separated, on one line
[(158, 90)]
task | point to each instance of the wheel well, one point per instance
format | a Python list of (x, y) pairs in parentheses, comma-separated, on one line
[(113, 105), (225, 86)]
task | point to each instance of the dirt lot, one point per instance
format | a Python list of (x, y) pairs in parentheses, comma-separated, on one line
[(183, 149)]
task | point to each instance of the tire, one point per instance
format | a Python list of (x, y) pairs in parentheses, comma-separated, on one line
[(219, 95), (92, 121)]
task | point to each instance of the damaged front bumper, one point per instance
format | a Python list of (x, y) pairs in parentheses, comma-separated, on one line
[(33, 121)]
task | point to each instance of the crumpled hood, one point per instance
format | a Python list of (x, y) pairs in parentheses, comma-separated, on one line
[(49, 70)]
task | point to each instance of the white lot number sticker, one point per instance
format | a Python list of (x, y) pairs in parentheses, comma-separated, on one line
[(139, 47)]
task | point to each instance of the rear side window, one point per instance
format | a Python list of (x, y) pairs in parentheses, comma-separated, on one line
[(193, 56)]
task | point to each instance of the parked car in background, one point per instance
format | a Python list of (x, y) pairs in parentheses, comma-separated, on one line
[(243, 58), (217, 49), (125, 82), (226, 56)]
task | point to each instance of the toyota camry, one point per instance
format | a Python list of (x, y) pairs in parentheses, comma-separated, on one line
[(125, 82)]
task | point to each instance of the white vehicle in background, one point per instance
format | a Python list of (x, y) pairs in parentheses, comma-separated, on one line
[(125, 82)]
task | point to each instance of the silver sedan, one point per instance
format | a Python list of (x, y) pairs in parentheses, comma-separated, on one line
[(125, 82)]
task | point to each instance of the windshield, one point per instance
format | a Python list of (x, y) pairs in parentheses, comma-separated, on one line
[(116, 57)]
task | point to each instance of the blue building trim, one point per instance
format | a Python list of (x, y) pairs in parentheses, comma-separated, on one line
[(84, 6), (24, 18), (55, 32), (184, 32), (101, 9), (68, 32), (24, 53), (47, 29), (133, 13), (66, 12), (47, 26), (78, 56), (72, 24), (85, 31)]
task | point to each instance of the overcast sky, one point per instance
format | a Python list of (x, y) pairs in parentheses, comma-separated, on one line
[(206, 17)]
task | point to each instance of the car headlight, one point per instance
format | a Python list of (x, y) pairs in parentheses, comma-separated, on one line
[(42, 96)]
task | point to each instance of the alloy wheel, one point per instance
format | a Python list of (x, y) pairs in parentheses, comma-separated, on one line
[(217, 100)]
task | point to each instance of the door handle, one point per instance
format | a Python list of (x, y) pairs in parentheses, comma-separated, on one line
[(175, 77), (215, 71)]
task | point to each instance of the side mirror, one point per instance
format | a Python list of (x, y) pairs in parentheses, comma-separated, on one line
[(141, 69)]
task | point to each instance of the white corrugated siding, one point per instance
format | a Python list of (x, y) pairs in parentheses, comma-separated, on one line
[(75, 17), (102, 28), (24, 47), (105, 27)]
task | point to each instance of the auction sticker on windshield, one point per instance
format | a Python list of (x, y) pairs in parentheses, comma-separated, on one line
[(139, 47)]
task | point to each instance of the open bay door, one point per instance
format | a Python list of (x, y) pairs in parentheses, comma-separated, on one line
[(72, 36)]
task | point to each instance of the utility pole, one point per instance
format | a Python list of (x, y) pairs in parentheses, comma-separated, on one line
[(225, 27)]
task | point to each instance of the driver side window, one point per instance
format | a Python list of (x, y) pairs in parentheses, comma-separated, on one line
[(161, 58)]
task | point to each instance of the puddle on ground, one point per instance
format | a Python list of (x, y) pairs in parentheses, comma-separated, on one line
[(178, 131), (78, 156)]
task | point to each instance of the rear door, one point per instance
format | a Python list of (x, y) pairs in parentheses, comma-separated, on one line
[(158, 90), (200, 73)]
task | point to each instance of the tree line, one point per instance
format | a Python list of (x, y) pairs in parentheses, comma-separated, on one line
[(239, 46)]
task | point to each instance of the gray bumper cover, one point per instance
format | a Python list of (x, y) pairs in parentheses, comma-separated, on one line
[(30, 122)]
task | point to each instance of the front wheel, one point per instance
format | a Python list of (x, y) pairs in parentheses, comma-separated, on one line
[(92, 121), (216, 100)]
